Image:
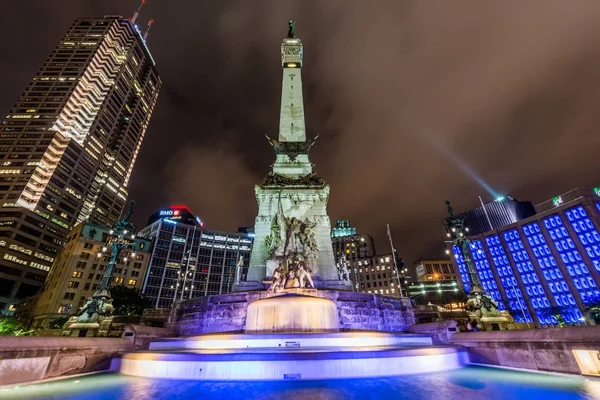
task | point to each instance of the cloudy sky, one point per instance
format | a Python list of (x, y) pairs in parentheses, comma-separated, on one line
[(416, 102)]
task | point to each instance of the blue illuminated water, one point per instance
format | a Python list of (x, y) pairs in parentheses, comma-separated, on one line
[(465, 384)]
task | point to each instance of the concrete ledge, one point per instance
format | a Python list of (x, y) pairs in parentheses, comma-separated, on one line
[(440, 332), (538, 349), (24, 359)]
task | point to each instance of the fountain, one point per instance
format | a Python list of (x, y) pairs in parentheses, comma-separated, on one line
[(294, 316)]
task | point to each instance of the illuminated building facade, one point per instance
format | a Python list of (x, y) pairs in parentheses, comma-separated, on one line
[(353, 250), (189, 261), (369, 273), (547, 262), (78, 271), (69, 144), (342, 228), (500, 212), (446, 294), (435, 269)]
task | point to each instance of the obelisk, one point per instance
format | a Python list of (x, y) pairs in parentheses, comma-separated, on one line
[(292, 191)]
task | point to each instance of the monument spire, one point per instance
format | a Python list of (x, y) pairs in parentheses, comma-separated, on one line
[(291, 117)]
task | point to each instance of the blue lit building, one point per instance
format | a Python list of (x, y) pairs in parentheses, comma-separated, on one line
[(189, 261), (547, 262)]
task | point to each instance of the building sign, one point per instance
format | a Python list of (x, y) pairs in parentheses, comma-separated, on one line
[(168, 213), (420, 270), (597, 191), (557, 201)]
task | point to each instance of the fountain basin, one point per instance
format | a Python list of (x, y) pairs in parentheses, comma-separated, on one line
[(291, 356), (298, 363), (276, 341)]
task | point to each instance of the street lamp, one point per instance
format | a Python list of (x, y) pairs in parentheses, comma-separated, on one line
[(117, 242), (455, 231)]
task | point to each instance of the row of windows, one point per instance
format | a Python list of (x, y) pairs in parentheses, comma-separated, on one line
[(543, 275)]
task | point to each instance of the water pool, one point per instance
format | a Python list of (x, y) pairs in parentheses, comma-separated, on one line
[(472, 382)]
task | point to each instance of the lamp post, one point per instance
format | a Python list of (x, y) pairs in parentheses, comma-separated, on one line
[(119, 239), (457, 236)]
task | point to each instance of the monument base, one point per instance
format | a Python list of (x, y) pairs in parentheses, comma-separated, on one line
[(250, 286), (74, 328), (228, 312)]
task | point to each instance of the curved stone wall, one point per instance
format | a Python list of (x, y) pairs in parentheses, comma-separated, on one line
[(227, 312)]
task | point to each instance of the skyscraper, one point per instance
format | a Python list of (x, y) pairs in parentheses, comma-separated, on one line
[(69, 144), (189, 261)]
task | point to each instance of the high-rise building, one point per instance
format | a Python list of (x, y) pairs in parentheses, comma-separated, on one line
[(546, 263), (78, 271), (189, 261), (496, 214), (69, 144), (353, 251), (434, 269)]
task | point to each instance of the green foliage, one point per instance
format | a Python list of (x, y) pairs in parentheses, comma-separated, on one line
[(555, 312), (10, 326), (128, 301), (58, 323)]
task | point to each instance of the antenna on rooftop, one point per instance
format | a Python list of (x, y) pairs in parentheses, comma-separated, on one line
[(148, 29), (137, 13)]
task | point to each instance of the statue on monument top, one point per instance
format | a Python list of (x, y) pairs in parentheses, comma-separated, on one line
[(292, 30)]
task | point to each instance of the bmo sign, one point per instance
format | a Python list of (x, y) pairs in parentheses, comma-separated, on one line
[(168, 213)]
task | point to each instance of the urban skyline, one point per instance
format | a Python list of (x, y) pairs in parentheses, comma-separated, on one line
[(69, 144), (228, 132)]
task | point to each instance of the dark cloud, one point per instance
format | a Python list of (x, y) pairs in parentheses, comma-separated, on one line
[(412, 99)]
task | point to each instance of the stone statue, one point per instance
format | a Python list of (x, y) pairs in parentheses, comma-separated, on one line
[(291, 240), (291, 281), (345, 273), (303, 274), (483, 305), (292, 30), (95, 308), (277, 280), (238, 269)]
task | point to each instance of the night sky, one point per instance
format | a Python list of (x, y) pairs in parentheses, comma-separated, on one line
[(414, 101)]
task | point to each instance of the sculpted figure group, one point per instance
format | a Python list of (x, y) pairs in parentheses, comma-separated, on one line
[(297, 276)]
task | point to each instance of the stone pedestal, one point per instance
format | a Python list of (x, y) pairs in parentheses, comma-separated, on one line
[(501, 322), (303, 202), (100, 328)]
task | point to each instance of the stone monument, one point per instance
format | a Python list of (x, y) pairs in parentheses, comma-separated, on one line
[(292, 227), (293, 283)]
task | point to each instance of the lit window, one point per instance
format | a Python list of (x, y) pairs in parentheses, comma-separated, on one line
[(132, 282)]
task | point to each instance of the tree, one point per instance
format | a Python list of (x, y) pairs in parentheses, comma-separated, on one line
[(593, 308), (555, 312), (58, 323), (129, 301), (10, 326)]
